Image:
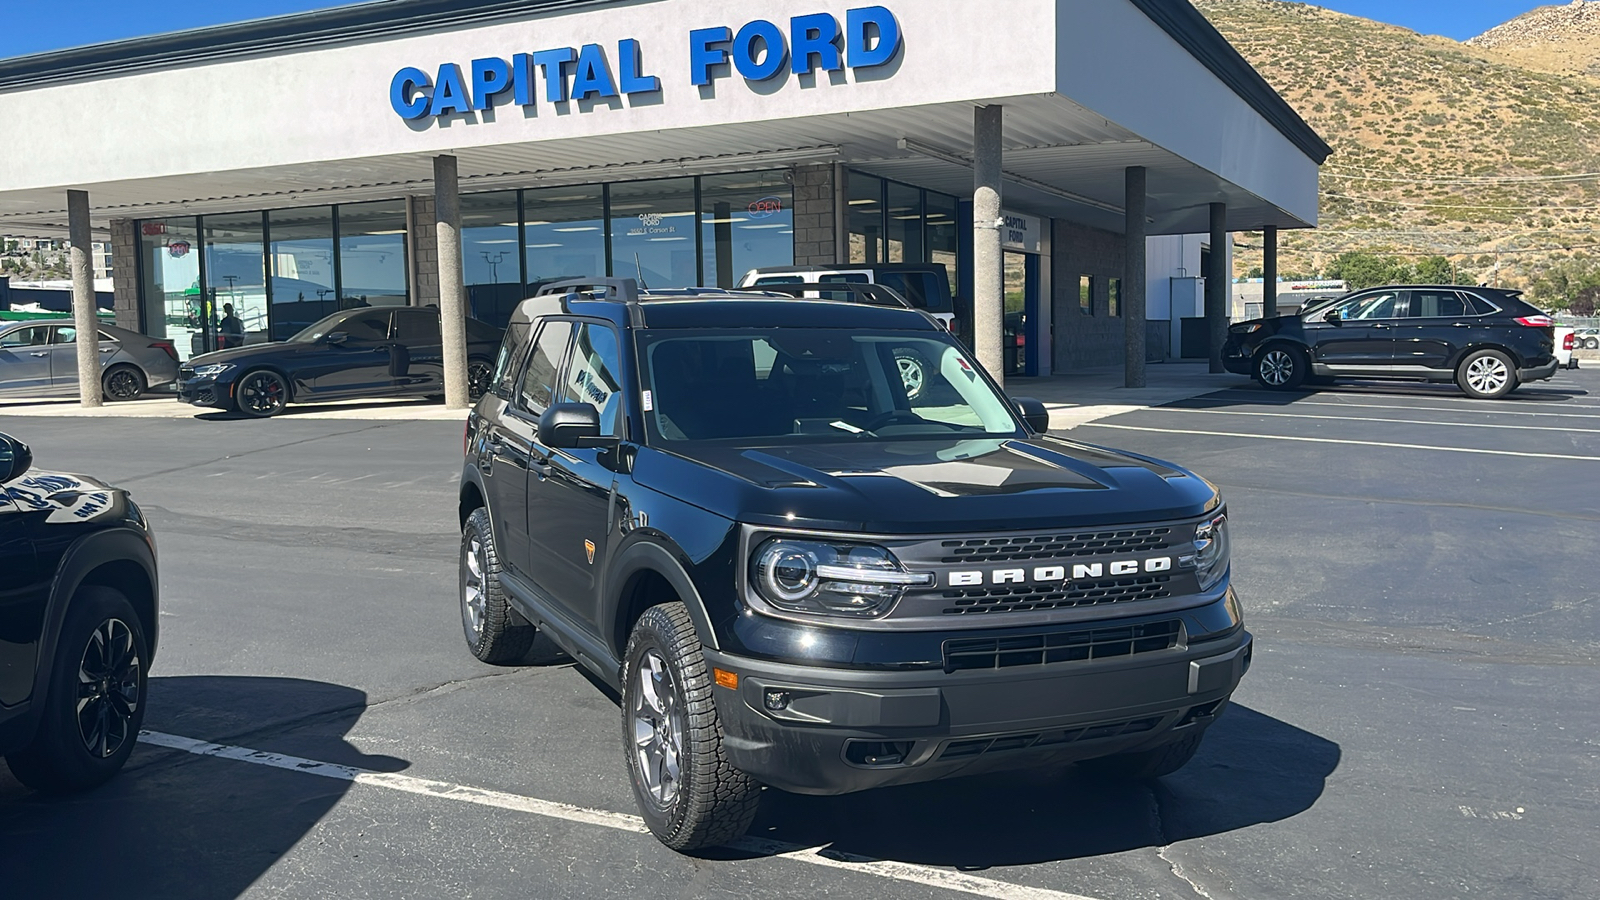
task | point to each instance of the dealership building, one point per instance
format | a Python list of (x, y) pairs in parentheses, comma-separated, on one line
[(297, 165)]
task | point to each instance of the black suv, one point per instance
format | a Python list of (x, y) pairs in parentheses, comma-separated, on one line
[(78, 624), (361, 353), (1488, 341), (727, 507)]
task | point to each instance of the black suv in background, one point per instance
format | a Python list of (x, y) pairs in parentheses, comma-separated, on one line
[(78, 622), (369, 352), (1488, 341), (730, 508)]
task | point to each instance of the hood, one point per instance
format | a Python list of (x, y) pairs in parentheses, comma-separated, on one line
[(912, 487), (65, 499), (252, 351)]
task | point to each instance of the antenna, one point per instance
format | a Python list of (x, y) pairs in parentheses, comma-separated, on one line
[(640, 269)]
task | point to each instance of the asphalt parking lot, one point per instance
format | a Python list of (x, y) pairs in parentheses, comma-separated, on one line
[(1423, 717)]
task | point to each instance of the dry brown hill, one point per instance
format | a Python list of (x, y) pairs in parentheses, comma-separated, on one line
[(1438, 146), (1564, 39)]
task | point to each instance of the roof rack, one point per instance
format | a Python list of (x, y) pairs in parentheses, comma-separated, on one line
[(623, 289), (866, 294)]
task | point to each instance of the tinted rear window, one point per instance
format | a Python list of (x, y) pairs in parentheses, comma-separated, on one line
[(925, 290)]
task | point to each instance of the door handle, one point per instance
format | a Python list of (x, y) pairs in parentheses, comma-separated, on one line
[(40, 353), (1382, 326)]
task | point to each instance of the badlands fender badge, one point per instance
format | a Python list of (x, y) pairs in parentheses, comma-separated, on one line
[(588, 547)]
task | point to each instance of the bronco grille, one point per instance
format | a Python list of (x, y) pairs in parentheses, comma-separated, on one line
[(1054, 546), (1056, 596), (1038, 739), (1059, 646)]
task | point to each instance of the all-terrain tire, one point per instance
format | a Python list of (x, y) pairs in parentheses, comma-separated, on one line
[(495, 632), (1147, 765), (712, 802), (102, 662)]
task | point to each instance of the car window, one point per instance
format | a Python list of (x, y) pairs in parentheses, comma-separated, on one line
[(539, 377), (594, 375), (64, 334), (104, 337), (921, 288), (1380, 305), (36, 336), (367, 326), (416, 326), (846, 278), (1480, 306), (1436, 305), (510, 352)]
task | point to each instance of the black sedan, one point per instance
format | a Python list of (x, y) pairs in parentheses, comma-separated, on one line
[(78, 621), (369, 352), (1488, 341)]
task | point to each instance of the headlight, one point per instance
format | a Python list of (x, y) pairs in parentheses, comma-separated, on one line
[(1245, 328), (830, 579), (213, 371), (1210, 558)]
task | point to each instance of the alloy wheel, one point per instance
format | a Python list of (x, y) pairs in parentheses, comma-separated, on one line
[(1276, 367), (474, 603), (478, 375), (912, 375), (1487, 374), (658, 729), (122, 385), (108, 689), (262, 394)]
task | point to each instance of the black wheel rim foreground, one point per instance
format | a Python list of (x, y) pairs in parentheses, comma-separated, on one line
[(123, 385), (108, 689), (478, 375), (261, 393), (658, 729)]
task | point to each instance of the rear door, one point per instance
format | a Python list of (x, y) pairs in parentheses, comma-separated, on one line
[(1437, 325), (64, 355), (25, 361), (418, 361)]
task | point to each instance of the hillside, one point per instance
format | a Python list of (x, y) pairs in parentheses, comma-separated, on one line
[(1563, 39), (1439, 147)]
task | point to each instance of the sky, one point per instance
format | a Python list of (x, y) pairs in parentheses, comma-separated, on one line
[(35, 27)]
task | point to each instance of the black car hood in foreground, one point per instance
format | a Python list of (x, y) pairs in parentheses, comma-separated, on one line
[(63, 499), (928, 486)]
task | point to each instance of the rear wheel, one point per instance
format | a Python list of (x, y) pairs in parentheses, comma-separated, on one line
[(262, 393), (1145, 765), (690, 794), (1281, 367), (495, 633), (1486, 375), (123, 383), (95, 700)]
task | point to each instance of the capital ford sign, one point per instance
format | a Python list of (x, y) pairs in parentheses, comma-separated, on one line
[(759, 52)]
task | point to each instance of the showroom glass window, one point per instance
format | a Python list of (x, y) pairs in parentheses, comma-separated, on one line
[(169, 252), (236, 279), (372, 254), (940, 233), (746, 222), (653, 232), (301, 264), (565, 233), (904, 224), (865, 218), (491, 259)]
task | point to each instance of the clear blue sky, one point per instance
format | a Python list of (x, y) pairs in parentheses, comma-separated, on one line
[(33, 26)]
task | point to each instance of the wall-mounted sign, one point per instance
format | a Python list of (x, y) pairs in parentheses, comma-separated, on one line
[(178, 249), (1020, 232), (766, 207), (153, 228), (760, 51)]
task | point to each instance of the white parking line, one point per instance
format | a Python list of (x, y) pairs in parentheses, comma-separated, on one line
[(1459, 403), (928, 876), (1311, 440), (1486, 412), (1331, 418)]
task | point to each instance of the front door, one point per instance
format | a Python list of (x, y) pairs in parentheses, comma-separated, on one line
[(521, 464), (1362, 337), (360, 364), (569, 505), (25, 361)]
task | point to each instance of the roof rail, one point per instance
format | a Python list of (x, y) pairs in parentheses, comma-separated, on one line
[(866, 294), (624, 289)]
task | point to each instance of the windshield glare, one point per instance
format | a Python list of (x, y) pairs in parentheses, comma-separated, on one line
[(318, 329), (792, 385)]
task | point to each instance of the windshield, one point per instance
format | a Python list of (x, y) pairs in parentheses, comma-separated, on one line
[(788, 385)]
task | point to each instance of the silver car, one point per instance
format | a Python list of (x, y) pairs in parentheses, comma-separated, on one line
[(40, 359)]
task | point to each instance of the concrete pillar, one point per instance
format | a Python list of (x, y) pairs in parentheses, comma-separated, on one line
[(988, 272), (1217, 284), (1133, 277), (85, 313), (452, 288), (1269, 272)]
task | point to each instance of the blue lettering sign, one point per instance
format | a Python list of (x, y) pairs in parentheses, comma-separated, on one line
[(408, 82), (860, 24), (522, 78), (449, 94), (745, 50), (815, 37), (707, 48), (489, 77), (594, 74), (630, 62), (551, 63)]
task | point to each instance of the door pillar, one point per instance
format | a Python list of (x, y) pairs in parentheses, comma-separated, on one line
[(988, 272), (452, 287), (85, 312)]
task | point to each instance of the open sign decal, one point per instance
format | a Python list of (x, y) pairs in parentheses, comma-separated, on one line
[(766, 207)]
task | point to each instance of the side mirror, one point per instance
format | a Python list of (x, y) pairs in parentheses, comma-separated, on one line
[(337, 337), (1033, 412), (572, 426), (15, 458), (1334, 317)]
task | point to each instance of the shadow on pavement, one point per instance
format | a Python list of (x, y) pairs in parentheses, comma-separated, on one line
[(306, 409), (1252, 769), (174, 825), (1254, 395)]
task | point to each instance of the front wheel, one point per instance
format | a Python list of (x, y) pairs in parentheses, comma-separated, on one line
[(1281, 368), (1486, 375), (262, 393), (95, 700), (691, 796)]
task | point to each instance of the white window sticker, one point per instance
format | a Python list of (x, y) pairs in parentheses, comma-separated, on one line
[(649, 402)]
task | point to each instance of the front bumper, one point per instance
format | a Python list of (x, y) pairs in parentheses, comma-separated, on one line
[(844, 730), (208, 392), (1537, 373)]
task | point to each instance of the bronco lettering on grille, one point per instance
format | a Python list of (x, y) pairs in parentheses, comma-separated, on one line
[(1049, 574)]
